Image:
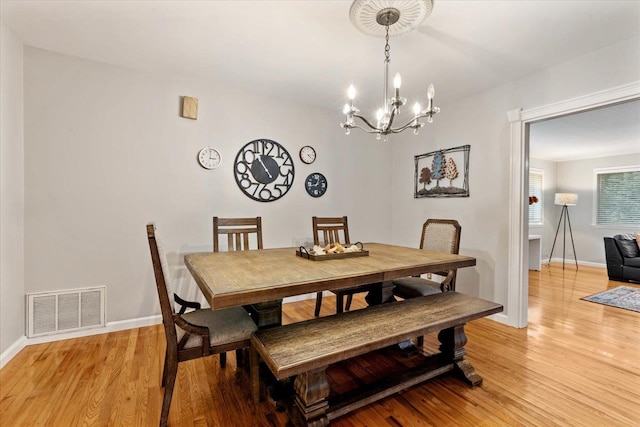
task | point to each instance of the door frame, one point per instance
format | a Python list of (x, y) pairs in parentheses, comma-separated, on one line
[(518, 271)]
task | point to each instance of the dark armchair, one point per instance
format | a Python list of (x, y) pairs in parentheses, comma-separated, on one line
[(623, 258)]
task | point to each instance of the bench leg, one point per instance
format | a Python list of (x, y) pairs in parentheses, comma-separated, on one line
[(254, 375), (452, 342), (310, 407)]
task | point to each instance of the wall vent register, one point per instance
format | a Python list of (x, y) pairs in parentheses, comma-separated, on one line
[(65, 311)]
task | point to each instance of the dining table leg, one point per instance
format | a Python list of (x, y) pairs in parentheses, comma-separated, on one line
[(266, 314), (381, 293)]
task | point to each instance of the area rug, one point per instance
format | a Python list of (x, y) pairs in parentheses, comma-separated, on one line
[(621, 297)]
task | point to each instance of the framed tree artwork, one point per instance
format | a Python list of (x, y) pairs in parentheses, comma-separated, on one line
[(443, 173)]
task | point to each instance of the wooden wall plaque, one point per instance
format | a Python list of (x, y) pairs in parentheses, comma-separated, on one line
[(189, 107)]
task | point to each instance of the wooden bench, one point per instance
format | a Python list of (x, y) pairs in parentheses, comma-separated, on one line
[(307, 348)]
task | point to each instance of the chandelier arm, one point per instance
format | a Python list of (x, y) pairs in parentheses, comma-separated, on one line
[(366, 122), (410, 124), (407, 126), (415, 120), (368, 130), (372, 130), (394, 111)]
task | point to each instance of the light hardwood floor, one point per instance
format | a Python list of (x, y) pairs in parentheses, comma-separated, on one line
[(577, 364)]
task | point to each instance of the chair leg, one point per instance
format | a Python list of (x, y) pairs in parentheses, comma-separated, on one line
[(253, 373), (420, 341), (349, 299), (223, 360), (164, 369), (339, 302), (171, 373), (318, 304), (239, 357)]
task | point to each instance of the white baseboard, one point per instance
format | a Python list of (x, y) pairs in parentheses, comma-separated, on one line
[(119, 325), (13, 349), (571, 261), (500, 318)]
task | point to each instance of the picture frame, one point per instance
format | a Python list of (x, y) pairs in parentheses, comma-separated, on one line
[(434, 169)]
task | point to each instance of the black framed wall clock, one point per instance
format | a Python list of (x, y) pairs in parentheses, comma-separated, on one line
[(316, 184), (264, 170), (307, 154)]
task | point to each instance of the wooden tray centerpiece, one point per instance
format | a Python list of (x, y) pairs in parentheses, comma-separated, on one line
[(355, 250)]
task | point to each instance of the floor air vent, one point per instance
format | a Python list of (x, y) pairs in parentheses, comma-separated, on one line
[(65, 311)]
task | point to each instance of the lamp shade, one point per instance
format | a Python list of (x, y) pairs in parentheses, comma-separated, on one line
[(566, 199)]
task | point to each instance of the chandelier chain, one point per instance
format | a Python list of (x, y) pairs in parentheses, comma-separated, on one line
[(387, 48)]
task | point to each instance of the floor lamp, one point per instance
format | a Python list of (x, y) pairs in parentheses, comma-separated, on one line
[(565, 199)]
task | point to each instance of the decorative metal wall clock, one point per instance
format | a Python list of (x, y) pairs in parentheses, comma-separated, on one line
[(264, 170), (316, 184)]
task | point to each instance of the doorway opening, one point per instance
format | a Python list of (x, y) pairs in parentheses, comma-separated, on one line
[(519, 219)]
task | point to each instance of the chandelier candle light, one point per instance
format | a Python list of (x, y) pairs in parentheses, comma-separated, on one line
[(389, 17)]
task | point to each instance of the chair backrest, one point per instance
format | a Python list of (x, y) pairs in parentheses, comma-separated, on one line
[(442, 235), (163, 285), (330, 228), (238, 231)]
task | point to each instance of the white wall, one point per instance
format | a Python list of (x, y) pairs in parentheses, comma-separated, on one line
[(577, 177), (12, 319), (481, 121), (107, 152)]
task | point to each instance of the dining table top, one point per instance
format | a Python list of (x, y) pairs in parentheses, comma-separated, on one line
[(229, 279)]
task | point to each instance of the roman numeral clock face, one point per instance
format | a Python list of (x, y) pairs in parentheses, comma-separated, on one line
[(264, 170)]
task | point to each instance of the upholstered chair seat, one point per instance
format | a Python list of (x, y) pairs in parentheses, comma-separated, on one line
[(411, 287), (438, 235), (225, 326)]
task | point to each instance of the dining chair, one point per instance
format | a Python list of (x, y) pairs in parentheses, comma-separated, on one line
[(244, 234), (327, 230), (198, 333), (238, 232), (440, 235)]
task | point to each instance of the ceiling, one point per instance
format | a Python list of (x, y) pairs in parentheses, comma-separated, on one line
[(606, 131), (309, 52)]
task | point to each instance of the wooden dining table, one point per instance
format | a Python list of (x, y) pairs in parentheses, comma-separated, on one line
[(259, 277)]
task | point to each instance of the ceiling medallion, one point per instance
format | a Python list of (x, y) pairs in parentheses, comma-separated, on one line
[(387, 18)]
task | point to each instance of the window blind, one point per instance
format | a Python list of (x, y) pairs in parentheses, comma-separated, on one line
[(618, 198), (535, 189)]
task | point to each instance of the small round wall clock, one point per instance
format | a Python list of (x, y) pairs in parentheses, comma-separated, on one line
[(307, 154), (264, 170), (316, 184), (209, 158)]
